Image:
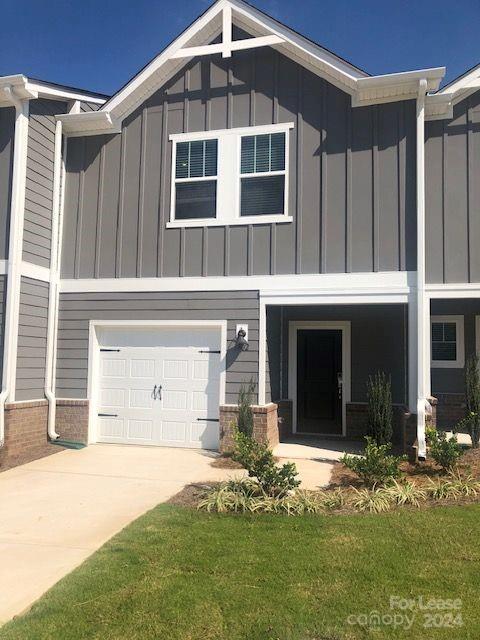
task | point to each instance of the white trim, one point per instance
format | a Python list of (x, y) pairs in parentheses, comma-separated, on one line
[(454, 290), (459, 363), (93, 355), (3, 267), (53, 92), (213, 222), (293, 328), (393, 286), (35, 271), (234, 131), (262, 352), (16, 217)]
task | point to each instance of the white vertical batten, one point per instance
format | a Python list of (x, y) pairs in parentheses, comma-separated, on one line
[(423, 364), (17, 209), (53, 288)]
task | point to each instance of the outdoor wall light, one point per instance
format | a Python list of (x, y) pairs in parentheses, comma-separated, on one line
[(241, 340)]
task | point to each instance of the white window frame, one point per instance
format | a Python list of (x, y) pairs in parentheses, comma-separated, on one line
[(229, 176), (459, 363)]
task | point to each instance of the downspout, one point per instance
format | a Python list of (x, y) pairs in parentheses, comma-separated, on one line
[(14, 251), (53, 288), (422, 331)]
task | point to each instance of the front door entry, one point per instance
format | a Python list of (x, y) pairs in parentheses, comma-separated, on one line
[(319, 381)]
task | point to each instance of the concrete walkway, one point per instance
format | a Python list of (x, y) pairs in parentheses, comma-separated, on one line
[(56, 511)]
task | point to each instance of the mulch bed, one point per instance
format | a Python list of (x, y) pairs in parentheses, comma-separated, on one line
[(225, 462)]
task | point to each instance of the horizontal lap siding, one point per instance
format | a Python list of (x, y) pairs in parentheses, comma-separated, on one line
[(351, 180), (32, 340), (39, 181), (7, 134), (452, 192), (77, 309)]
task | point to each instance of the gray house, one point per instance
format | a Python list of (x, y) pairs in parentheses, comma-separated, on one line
[(249, 207)]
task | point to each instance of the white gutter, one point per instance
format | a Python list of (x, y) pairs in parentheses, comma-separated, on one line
[(14, 251), (423, 314), (53, 288)]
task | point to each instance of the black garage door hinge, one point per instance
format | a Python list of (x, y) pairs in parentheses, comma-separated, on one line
[(208, 419), (116, 350), (108, 415), (207, 351)]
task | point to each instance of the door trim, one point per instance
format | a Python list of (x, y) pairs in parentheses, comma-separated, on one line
[(340, 325), (94, 355)]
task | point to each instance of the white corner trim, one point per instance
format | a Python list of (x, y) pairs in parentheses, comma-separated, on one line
[(397, 284), (345, 328), (34, 271), (3, 267), (459, 362), (94, 352)]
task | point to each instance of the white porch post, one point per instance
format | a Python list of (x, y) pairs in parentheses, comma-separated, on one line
[(423, 332), (262, 352)]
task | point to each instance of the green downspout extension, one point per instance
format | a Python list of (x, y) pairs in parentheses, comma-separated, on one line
[(68, 444)]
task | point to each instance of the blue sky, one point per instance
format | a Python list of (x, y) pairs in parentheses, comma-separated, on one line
[(100, 44)]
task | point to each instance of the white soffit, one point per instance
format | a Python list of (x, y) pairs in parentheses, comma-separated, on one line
[(265, 31)]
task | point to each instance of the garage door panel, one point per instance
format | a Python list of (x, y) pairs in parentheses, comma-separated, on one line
[(185, 412)]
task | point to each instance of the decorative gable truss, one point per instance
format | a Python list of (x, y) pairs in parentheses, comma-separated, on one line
[(217, 23)]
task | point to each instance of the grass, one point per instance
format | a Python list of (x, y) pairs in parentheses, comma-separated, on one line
[(179, 574)]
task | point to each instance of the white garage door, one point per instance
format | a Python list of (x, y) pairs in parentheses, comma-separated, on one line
[(160, 388)]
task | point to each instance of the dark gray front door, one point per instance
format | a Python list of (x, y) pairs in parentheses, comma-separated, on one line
[(319, 367)]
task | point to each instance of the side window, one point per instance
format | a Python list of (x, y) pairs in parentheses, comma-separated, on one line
[(447, 346), (196, 179), (262, 181)]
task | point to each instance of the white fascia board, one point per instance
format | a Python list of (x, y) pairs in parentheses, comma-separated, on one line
[(339, 284), (56, 93), (90, 123), (453, 290), (393, 87)]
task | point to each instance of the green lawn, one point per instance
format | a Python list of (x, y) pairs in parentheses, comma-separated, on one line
[(179, 574)]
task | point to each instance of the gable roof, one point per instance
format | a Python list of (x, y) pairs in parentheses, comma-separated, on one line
[(265, 31), (440, 105)]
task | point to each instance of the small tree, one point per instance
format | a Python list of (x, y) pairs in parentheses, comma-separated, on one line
[(245, 413), (472, 396), (380, 410)]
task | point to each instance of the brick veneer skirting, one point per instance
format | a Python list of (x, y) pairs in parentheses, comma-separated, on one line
[(26, 436), (404, 433), (72, 420), (25, 433), (265, 425), (450, 409)]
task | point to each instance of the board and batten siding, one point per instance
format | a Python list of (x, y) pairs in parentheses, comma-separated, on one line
[(351, 180), (32, 340), (39, 181), (77, 309), (452, 193), (7, 137)]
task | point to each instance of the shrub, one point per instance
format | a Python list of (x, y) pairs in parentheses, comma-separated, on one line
[(258, 460), (445, 451), (472, 396), (380, 410), (376, 466), (245, 413)]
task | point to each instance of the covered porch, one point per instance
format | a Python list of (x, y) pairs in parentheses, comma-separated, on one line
[(318, 361)]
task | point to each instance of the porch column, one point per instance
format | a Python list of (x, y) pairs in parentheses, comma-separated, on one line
[(423, 332), (262, 352)]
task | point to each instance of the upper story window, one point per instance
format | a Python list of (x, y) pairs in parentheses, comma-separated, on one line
[(196, 179), (234, 176), (448, 350)]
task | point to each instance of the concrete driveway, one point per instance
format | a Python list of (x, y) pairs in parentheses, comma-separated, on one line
[(56, 511)]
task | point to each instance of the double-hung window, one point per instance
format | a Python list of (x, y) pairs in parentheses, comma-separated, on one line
[(196, 179), (228, 177), (447, 344)]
